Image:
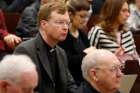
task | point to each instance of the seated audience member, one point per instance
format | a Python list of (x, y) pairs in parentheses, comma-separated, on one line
[(17, 74), (7, 41), (84, 28), (27, 26), (112, 33), (76, 40), (51, 60), (19, 5), (101, 70), (134, 18)]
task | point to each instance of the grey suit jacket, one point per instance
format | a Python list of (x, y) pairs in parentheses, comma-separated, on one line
[(27, 25), (36, 49)]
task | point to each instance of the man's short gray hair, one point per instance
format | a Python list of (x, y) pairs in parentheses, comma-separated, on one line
[(91, 60), (13, 66)]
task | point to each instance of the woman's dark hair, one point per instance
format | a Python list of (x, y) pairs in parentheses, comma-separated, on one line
[(77, 5), (109, 15)]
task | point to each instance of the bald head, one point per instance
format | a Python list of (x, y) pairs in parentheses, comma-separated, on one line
[(15, 63), (102, 69), (18, 74), (97, 58)]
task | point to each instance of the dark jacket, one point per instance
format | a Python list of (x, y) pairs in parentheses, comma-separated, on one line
[(36, 49), (27, 26), (87, 88), (75, 54), (19, 5)]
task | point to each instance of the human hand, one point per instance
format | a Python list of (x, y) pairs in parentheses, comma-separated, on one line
[(119, 52), (12, 40)]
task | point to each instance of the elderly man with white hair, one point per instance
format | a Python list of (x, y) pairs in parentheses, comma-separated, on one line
[(17, 74), (102, 72)]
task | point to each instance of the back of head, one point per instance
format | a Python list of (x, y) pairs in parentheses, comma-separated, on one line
[(46, 9), (77, 5), (94, 59), (13, 66)]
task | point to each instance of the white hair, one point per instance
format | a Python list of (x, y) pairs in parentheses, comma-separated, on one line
[(13, 66), (92, 59)]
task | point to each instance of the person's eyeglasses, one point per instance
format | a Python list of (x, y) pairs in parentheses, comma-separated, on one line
[(116, 68), (61, 22), (113, 69)]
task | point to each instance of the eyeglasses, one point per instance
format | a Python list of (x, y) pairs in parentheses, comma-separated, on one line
[(61, 22), (113, 69)]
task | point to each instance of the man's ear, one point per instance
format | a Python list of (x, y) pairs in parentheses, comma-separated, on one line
[(43, 23), (93, 74)]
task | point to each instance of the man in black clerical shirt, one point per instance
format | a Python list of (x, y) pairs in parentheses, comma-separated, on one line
[(50, 59)]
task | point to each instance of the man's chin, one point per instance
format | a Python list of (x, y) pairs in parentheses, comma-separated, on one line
[(62, 39), (114, 90)]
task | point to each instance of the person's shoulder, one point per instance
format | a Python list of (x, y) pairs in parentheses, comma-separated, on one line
[(30, 9), (59, 48), (96, 29), (25, 47), (127, 32), (27, 43)]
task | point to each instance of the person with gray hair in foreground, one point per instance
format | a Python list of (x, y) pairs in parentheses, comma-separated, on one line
[(17, 74), (102, 72)]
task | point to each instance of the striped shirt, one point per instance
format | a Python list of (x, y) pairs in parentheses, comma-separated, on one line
[(100, 39)]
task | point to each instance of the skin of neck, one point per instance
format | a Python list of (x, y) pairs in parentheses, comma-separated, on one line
[(49, 41), (73, 28), (74, 31), (116, 26)]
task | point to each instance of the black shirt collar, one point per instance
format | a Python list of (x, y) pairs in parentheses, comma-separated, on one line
[(50, 49)]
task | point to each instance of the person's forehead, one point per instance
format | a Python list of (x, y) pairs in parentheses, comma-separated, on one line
[(82, 12), (58, 16), (56, 13), (125, 6)]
